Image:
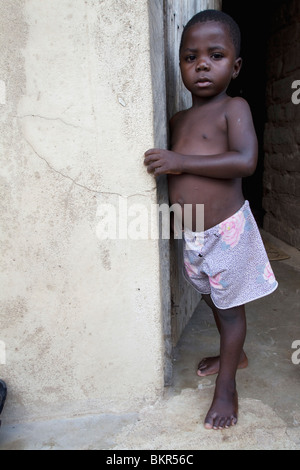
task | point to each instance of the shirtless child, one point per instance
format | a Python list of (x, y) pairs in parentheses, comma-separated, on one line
[(213, 146)]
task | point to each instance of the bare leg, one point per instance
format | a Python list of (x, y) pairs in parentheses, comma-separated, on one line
[(211, 365), (224, 409)]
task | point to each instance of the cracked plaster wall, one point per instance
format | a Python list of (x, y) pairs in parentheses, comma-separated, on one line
[(80, 317)]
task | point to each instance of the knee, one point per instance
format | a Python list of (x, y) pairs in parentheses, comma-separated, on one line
[(232, 315)]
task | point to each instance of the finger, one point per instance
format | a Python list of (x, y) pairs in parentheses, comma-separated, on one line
[(153, 167), (160, 171), (151, 152), (150, 159)]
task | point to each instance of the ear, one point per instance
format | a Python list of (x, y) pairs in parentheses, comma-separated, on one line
[(237, 67)]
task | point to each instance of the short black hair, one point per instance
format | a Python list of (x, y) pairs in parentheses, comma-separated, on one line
[(220, 17)]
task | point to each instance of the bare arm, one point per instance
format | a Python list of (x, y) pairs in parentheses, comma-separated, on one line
[(238, 161)]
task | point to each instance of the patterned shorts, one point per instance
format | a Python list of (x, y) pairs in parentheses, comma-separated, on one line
[(229, 261)]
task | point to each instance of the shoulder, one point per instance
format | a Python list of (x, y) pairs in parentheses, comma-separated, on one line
[(240, 121), (174, 119), (237, 105)]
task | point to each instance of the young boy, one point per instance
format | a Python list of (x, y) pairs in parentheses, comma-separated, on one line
[(213, 146)]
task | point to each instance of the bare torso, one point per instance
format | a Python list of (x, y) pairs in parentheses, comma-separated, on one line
[(203, 131)]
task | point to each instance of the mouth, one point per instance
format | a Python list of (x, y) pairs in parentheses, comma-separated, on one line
[(203, 82)]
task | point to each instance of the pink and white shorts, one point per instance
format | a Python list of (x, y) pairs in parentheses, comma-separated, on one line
[(229, 261)]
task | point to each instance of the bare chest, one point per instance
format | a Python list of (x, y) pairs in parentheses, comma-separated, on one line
[(204, 133)]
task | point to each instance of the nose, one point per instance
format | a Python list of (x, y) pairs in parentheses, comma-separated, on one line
[(202, 64)]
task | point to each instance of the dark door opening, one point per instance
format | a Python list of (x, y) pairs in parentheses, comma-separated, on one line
[(251, 85)]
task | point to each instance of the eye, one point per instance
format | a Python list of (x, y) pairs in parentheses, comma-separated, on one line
[(190, 58), (217, 55)]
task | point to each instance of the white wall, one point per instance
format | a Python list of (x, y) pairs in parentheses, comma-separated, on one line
[(80, 317)]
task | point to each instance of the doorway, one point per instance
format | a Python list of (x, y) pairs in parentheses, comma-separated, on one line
[(251, 85)]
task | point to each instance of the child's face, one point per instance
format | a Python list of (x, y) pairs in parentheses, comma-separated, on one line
[(208, 59)]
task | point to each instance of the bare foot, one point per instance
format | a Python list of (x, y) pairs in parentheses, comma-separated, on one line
[(223, 412), (211, 365)]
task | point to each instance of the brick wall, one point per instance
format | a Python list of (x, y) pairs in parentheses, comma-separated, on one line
[(281, 199)]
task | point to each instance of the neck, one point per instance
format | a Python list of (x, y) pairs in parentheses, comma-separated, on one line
[(199, 101)]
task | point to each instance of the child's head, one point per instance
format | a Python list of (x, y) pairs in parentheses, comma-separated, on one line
[(209, 54), (220, 17)]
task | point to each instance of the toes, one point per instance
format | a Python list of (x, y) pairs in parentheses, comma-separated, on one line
[(222, 423), (202, 369), (219, 422), (228, 423), (202, 364), (208, 425), (233, 420), (209, 421)]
